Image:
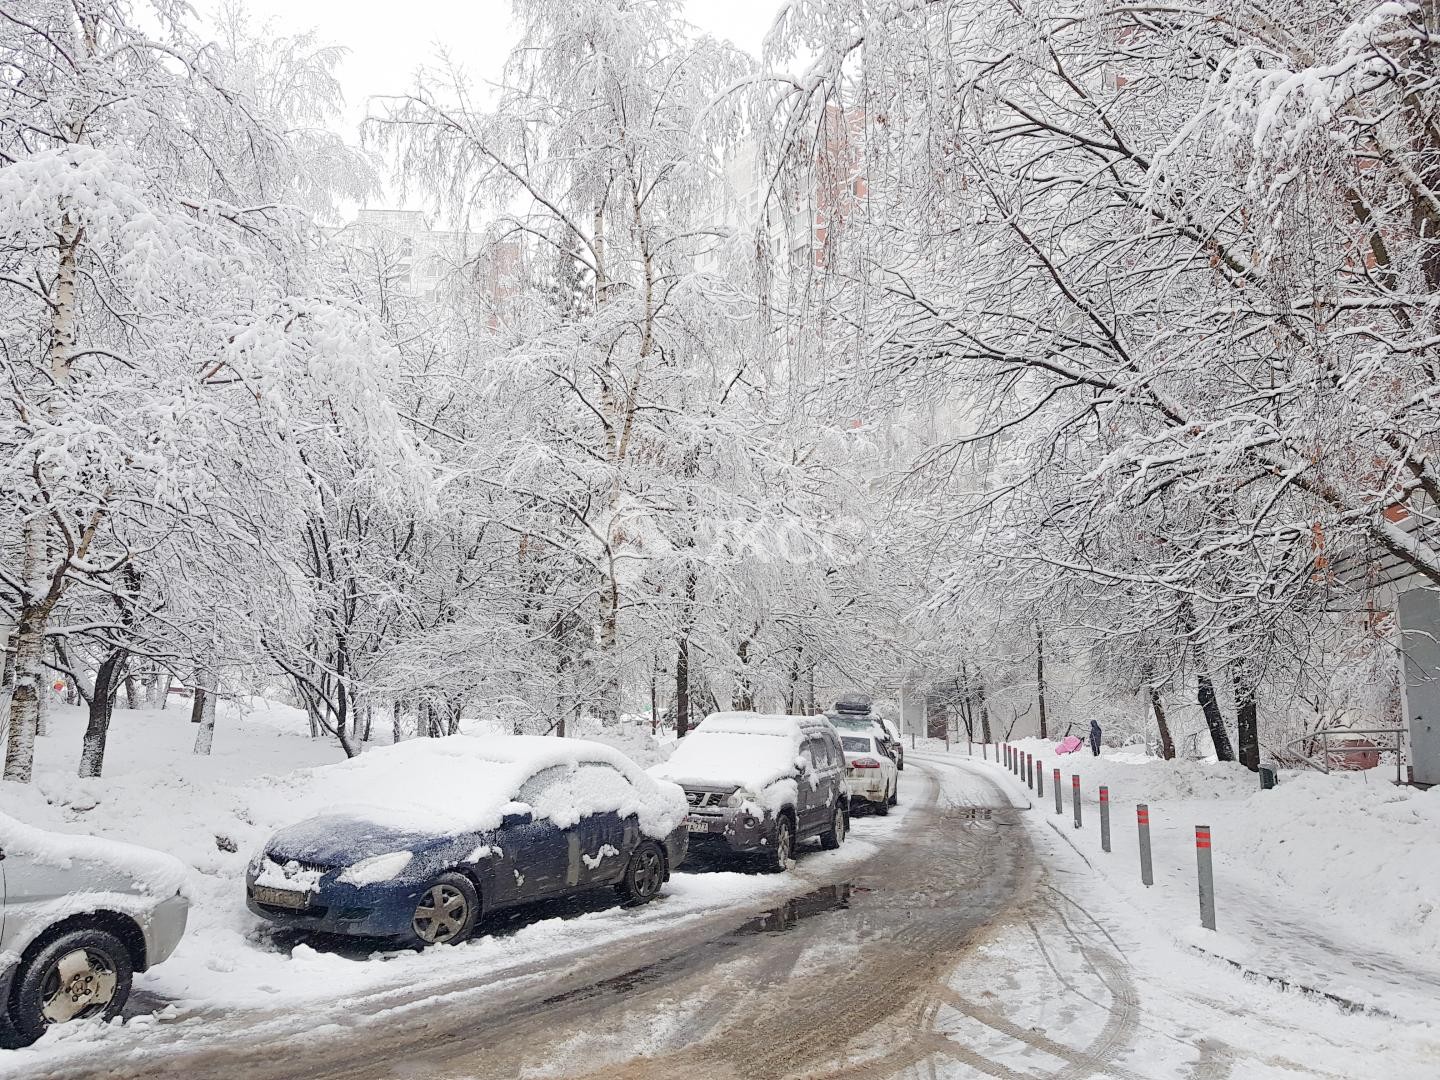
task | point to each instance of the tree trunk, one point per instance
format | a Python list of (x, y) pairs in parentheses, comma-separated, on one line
[(744, 699), (369, 722), (1167, 744), (1210, 706), (25, 695), (205, 696), (1040, 678), (132, 692), (682, 688), (102, 707), (396, 718), (985, 733), (165, 681), (1247, 716)]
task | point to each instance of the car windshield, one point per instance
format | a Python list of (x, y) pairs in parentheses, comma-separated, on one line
[(853, 744)]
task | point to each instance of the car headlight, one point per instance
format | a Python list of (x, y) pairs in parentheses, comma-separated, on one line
[(377, 868), (741, 796)]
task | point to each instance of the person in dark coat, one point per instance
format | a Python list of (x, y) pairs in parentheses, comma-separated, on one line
[(1095, 737)]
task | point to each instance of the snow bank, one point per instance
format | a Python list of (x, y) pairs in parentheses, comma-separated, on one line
[(1358, 848), (1333, 866), (1134, 776)]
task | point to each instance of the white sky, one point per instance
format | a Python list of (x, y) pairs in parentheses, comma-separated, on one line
[(389, 39)]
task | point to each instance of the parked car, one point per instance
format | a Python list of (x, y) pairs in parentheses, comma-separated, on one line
[(426, 838), (853, 713), (81, 915), (759, 785), (871, 775)]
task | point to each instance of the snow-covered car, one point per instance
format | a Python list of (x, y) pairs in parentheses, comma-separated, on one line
[(420, 841), (870, 773), (757, 785), (81, 915), (853, 714)]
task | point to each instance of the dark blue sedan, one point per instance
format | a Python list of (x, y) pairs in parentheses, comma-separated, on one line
[(456, 828)]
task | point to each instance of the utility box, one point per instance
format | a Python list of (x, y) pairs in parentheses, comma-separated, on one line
[(1419, 611)]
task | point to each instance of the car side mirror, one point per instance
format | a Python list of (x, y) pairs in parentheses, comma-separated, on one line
[(518, 817)]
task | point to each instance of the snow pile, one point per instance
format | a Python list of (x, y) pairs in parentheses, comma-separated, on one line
[(464, 783), (1356, 847), (1135, 777), (735, 749)]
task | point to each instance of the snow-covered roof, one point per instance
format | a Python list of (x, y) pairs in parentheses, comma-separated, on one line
[(752, 723), (736, 749), (464, 783)]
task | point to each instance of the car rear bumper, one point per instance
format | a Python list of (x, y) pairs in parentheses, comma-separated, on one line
[(863, 787)]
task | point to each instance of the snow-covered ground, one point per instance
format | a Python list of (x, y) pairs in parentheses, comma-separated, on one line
[(157, 793), (1326, 882)]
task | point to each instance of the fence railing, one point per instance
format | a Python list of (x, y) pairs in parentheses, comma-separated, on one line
[(1303, 750)]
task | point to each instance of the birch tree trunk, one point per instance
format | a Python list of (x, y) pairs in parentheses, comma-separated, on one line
[(25, 695), (205, 695)]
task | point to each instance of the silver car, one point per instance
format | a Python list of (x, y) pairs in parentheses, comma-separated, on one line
[(80, 916)]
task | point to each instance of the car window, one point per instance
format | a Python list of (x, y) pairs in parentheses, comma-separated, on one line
[(819, 752), (855, 744), (542, 785), (602, 788)]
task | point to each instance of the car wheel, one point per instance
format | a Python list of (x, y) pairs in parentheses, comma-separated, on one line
[(834, 836), (644, 875), (782, 848), (81, 974), (882, 807), (447, 912), (895, 794)]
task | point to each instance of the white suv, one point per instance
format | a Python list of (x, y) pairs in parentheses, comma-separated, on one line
[(80, 916), (869, 771)]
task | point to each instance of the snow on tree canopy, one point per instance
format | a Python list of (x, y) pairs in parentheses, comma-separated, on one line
[(148, 871), (724, 750), (463, 783)]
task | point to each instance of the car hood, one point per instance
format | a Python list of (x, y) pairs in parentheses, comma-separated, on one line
[(337, 840)]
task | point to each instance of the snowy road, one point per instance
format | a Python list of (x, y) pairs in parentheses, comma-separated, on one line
[(964, 938)]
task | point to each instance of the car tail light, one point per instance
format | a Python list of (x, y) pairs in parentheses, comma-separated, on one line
[(864, 763)]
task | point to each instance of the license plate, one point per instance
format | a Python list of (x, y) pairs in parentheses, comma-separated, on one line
[(698, 824), (285, 898)]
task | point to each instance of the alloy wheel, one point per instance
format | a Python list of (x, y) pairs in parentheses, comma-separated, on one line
[(82, 983), (649, 873), (441, 914)]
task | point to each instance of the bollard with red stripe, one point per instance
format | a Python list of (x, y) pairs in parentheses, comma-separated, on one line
[(1206, 876), (1039, 778), (1059, 794), (1142, 818), (1104, 818), (1075, 796)]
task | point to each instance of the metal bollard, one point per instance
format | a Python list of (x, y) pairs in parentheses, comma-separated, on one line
[(1030, 771), (985, 750), (1142, 817), (1040, 779), (1104, 818), (1207, 876), (1005, 754), (1059, 794), (1075, 796)]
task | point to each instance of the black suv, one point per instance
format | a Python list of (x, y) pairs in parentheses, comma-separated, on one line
[(757, 785)]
